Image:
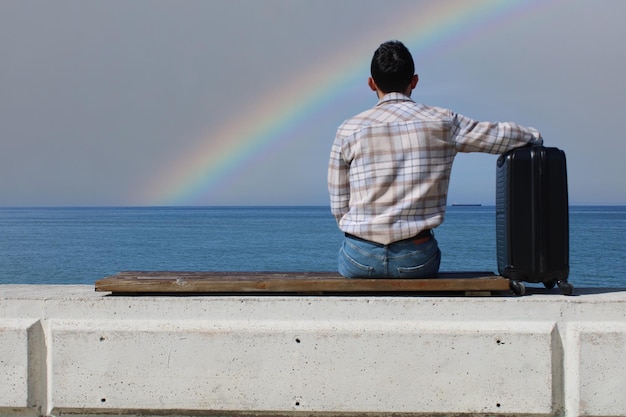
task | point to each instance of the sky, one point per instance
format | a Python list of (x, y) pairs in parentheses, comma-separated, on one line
[(177, 103)]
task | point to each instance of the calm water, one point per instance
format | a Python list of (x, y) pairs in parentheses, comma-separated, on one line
[(81, 245)]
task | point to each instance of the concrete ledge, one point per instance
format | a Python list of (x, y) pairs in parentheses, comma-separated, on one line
[(14, 362), (598, 367), (68, 350)]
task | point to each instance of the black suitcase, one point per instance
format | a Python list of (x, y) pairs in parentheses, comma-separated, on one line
[(532, 217)]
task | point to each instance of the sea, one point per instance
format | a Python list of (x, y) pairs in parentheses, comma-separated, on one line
[(79, 245)]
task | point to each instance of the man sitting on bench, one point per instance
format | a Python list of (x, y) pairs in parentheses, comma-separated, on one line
[(390, 167)]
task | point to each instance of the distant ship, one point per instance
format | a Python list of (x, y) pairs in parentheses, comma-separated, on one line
[(466, 205)]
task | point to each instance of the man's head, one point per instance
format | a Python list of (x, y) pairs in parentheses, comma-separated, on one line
[(393, 69)]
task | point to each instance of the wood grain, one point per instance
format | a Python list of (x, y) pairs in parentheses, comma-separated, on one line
[(137, 282)]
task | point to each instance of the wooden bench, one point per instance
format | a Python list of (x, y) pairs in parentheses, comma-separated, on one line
[(154, 282)]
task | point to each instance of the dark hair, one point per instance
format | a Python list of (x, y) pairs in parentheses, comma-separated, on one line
[(392, 67)]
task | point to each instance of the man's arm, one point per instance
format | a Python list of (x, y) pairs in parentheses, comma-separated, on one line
[(491, 137), (338, 184)]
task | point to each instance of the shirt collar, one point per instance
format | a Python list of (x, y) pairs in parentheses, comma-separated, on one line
[(389, 97)]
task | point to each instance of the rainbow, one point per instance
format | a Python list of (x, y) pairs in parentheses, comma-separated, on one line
[(198, 172)]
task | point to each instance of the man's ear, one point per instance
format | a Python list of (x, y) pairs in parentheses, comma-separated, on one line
[(372, 84), (414, 81)]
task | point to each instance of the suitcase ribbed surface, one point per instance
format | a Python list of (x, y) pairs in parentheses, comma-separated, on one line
[(532, 225)]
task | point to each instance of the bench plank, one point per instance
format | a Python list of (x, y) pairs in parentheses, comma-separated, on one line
[(137, 282)]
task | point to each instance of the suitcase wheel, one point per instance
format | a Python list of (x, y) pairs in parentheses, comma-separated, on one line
[(566, 288), (517, 287)]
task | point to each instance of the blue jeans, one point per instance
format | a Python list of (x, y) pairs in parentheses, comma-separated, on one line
[(363, 259)]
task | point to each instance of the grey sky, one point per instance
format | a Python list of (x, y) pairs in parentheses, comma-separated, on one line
[(98, 98)]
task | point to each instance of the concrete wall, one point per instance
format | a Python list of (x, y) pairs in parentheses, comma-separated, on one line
[(68, 350)]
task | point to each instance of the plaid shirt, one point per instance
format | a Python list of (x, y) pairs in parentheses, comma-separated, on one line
[(390, 166)]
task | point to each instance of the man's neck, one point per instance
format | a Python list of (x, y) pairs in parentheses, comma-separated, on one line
[(382, 94)]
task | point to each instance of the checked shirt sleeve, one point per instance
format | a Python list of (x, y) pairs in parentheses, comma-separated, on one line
[(491, 137), (338, 183)]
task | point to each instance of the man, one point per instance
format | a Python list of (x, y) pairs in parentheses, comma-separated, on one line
[(390, 167)]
